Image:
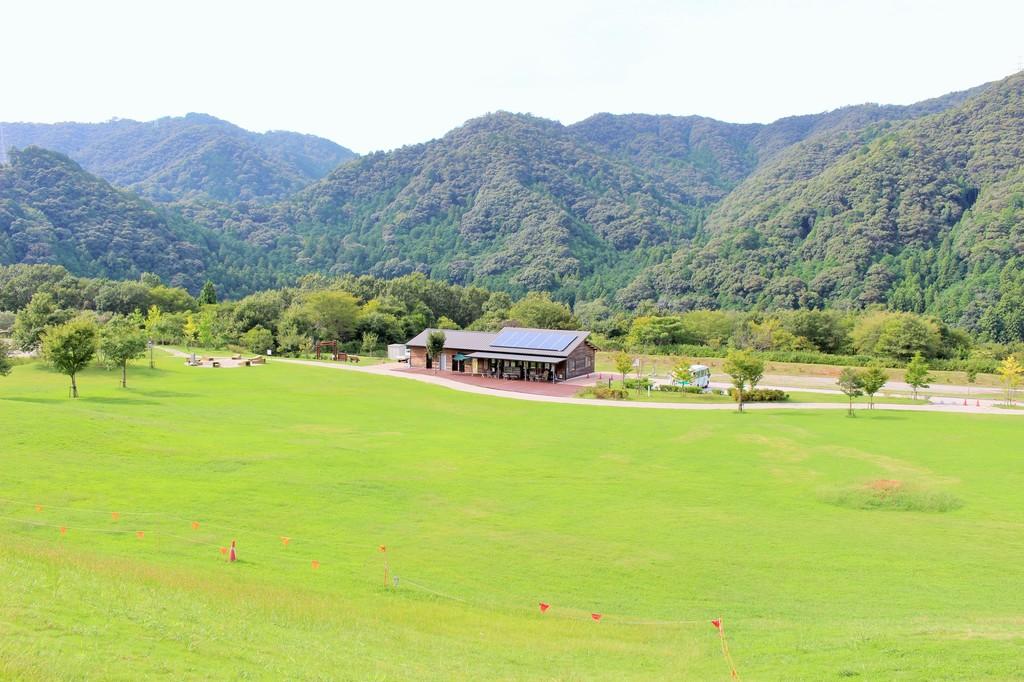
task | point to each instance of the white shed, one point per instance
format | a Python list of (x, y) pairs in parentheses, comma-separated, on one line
[(398, 351)]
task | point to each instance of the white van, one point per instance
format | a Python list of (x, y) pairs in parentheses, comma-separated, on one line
[(700, 377)]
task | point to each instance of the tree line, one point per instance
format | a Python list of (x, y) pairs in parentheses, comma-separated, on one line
[(365, 314)]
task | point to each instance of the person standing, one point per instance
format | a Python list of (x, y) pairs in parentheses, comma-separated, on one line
[(232, 556)]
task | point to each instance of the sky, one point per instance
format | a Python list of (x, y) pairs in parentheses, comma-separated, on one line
[(379, 75)]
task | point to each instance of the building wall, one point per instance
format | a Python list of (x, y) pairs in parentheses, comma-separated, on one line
[(580, 361), (417, 357)]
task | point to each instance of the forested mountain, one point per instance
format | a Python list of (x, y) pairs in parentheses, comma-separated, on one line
[(516, 202), (922, 215), (52, 211), (190, 156), (917, 208)]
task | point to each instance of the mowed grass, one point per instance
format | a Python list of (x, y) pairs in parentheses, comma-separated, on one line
[(660, 520)]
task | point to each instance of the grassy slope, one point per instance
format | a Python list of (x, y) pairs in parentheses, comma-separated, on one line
[(642, 515)]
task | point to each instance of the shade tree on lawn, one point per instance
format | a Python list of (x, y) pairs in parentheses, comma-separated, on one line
[(70, 347), (851, 383), (872, 379), (744, 368), (121, 339), (917, 374), (623, 365)]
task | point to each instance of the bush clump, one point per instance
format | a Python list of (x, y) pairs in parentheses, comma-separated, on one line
[(604, 393), (761, 395), (672, 388), (638, 384)]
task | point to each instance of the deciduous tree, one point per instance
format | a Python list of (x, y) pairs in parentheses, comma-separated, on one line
[(70, 347), (917, 374), (1011, 372), (435, 346), (258, 339), (872, 380), (41, 312), (623, 365), (743, 368), (851, 383), (121, 340)]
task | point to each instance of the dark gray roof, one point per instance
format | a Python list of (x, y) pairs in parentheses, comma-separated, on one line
[(457, 339)]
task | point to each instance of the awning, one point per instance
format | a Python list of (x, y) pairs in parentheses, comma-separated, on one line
[(459, 357), (521, 358)]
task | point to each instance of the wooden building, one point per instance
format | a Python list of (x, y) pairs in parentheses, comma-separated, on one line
[(512, 353)]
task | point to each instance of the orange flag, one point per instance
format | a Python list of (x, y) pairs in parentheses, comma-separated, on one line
[(115, 515), (596, 616), (140, 534), (285, 541), (223, 550), (717, 623), (63, 530), (544, 607), (315, 564), (39, 507), (195, 525), (382, 548)]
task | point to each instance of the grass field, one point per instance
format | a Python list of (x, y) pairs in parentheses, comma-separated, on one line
[(660, 520)]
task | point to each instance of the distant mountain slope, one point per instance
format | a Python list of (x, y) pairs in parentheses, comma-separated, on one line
[(920, 215), (518, 202), (916, 207), (507, 200), (52, 211), (191, 156)]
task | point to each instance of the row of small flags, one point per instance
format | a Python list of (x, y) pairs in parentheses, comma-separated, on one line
[(229, 554)]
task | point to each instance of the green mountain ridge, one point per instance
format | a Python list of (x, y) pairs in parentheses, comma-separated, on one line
[(194, 156), (909, 207), (922, 215), (52, 211)]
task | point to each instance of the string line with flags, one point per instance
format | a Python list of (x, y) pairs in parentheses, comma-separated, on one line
[(283, 552)]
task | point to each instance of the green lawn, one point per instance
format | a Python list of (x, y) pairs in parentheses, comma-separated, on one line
[(660, 520)]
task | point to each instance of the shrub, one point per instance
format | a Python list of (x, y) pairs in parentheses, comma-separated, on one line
[(604, 393), (672, 388), (761, 395), (641, 384)]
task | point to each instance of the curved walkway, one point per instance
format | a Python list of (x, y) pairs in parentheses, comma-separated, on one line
[(400, 371), (395, 370)]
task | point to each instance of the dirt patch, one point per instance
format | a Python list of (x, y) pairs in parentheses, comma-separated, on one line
[(885, 484), (886, 494)]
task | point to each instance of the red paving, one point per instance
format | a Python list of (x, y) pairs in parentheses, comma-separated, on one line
[(561, 390)]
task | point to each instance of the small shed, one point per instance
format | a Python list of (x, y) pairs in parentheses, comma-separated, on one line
[(398, 351)]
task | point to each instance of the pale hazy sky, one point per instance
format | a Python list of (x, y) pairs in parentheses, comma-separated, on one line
[(376, 75)]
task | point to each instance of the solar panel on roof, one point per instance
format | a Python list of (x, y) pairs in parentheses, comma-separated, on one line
[(534, 340)]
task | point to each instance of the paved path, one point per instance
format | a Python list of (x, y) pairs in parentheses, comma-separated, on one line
[(397, 370)]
